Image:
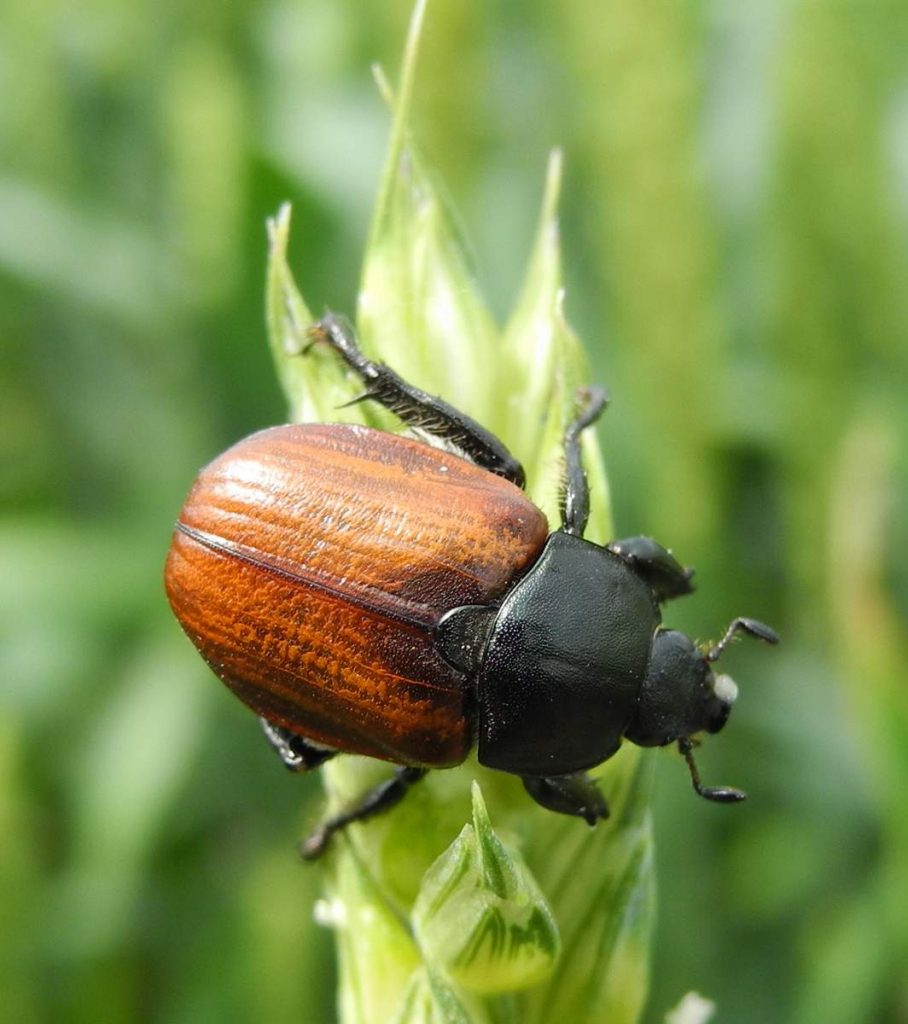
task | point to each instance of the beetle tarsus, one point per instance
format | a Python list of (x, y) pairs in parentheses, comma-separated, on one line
[(718, 794), (722, 794), (415, 407), (575, 497), (375, 801), (315, 845)]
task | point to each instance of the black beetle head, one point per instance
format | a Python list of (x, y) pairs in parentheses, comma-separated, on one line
[(682, 696)]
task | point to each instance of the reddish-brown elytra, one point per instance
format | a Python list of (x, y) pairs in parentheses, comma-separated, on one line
[(366, 593), (311, 565)]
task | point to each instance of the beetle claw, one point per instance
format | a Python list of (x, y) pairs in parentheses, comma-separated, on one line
[(315, 845), (722, 794)]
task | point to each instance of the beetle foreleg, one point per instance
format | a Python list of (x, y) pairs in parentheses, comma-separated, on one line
[(720, 794), (568, 794), (298, 754), (655, 565), (415, 407), (575, 498), (378, 799)]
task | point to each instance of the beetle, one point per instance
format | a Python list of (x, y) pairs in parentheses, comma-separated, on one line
[(366, 592)]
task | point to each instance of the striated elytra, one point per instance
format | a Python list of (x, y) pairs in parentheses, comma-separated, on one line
[(368, 593)]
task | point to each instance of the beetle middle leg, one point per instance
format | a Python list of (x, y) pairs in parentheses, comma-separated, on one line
[(415, 407), (575, 794), (575, 497), (376, 800), (297, 753)]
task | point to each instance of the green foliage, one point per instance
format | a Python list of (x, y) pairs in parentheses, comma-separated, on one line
[(734, 216)]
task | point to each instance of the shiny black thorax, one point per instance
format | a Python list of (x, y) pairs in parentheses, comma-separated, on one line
[(559, 666)]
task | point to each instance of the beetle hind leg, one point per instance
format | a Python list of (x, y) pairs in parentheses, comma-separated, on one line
[(575, 794), (417, 408), (376, 800)]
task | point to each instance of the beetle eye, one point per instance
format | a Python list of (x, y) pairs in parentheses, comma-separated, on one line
[(718, 718)]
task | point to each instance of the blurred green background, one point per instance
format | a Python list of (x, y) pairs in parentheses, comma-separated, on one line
[(736, 247)]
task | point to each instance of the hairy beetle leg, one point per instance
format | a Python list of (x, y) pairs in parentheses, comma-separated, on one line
[(415, 407), (568, 794), (378, 799)]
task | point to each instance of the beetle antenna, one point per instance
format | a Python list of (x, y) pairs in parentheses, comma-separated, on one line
[(720, 794), (742, 625)]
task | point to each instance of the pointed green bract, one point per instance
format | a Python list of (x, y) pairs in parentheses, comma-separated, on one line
[(470, 930), (545, 366), (315, 384), (480, 916), (418, 305), (430, 1000)]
